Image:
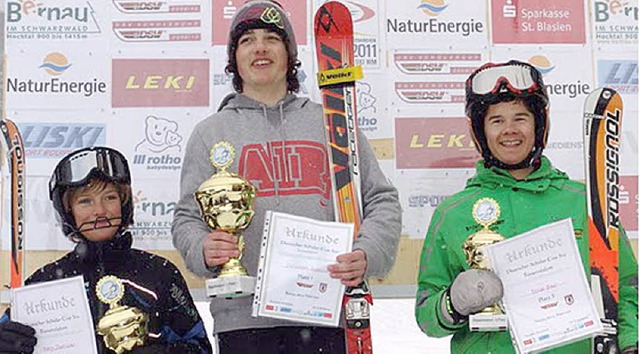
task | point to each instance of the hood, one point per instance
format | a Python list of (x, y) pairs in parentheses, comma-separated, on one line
[(238, 101), (275, 114)]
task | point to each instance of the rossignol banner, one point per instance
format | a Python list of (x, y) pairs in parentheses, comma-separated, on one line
[(138, 76)]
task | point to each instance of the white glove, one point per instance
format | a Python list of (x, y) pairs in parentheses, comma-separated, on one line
[(470, 292)]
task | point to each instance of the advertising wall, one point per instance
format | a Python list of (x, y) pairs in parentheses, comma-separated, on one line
[(138, 76)]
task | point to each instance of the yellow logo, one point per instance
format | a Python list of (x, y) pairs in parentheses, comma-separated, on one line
[(271, 15), (339, 75)]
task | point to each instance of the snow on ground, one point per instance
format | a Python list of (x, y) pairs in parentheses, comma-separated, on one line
[(394, 328)]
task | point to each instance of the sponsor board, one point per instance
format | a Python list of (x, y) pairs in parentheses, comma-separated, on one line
[(538, 21), (443, 24), (620, 75), (565, 143), (560, 80), (367, 46), (49, 20), (156, 7), (420, 193), (430, 92), (615, 22), (629, 202), (160, 147), (158, 30), (55, 80), (160, 83), (222, 84), (442, 76), (53, 140), (223, 79), (373, 116), (437, 63), (307, 76), (154, 205), (434, 143), (223, 10)]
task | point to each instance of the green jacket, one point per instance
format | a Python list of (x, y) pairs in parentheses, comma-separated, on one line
[(545, 196)]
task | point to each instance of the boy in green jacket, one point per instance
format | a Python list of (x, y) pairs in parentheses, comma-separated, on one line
[(508, 109)]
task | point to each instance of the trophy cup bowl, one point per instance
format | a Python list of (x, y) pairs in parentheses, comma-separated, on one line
[(486, 212), (123, 328), (226, 203)]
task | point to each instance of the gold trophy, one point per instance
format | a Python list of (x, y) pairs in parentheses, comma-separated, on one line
[(121, 327), (226, 203), (485, 212)]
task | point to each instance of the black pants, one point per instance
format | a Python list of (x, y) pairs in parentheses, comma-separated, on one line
[(283, 340)]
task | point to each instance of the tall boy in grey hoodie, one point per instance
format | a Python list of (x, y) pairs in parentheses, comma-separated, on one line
[(279, 140)]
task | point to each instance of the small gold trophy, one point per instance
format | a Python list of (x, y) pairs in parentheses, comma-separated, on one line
[(485, 212), (226, 203), (122, 327)]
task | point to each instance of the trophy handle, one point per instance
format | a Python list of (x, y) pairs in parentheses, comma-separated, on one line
[(241, 245), (233, 267)]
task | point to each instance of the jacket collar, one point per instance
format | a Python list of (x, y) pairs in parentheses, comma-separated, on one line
[(112, 251), (538, 181)]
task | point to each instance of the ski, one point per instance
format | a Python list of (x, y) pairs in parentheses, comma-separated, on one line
[(14, 185), (602, 119), (333, 29)]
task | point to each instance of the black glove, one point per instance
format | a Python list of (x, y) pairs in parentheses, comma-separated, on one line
[(175, 348), (150, 349), (17, 338), (470, 292)]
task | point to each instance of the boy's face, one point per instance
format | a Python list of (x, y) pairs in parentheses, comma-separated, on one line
[(262, 61), (97, 211), (510, 131)]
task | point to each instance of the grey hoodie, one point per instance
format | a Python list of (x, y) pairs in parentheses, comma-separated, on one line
[(299, 184)]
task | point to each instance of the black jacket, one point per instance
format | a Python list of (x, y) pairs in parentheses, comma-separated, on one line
[(152, 284)]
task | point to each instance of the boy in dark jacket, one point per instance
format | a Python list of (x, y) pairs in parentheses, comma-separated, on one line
[(91, 193)]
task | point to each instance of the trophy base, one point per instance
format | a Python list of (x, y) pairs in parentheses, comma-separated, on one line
[(230, 286), (488, 322)]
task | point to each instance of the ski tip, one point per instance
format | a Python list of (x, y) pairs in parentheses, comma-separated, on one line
[(598, 100), (332, 15), (603, 92), (335, 6)]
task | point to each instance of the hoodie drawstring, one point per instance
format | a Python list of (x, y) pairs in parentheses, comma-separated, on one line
[(276, 182), (284, 156)]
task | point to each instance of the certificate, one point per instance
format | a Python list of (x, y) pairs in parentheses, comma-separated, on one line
[(546, 295), (293, 282), (59, 312)]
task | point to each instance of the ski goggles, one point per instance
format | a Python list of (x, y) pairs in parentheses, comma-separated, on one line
[(96, 161), (514, 77)]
